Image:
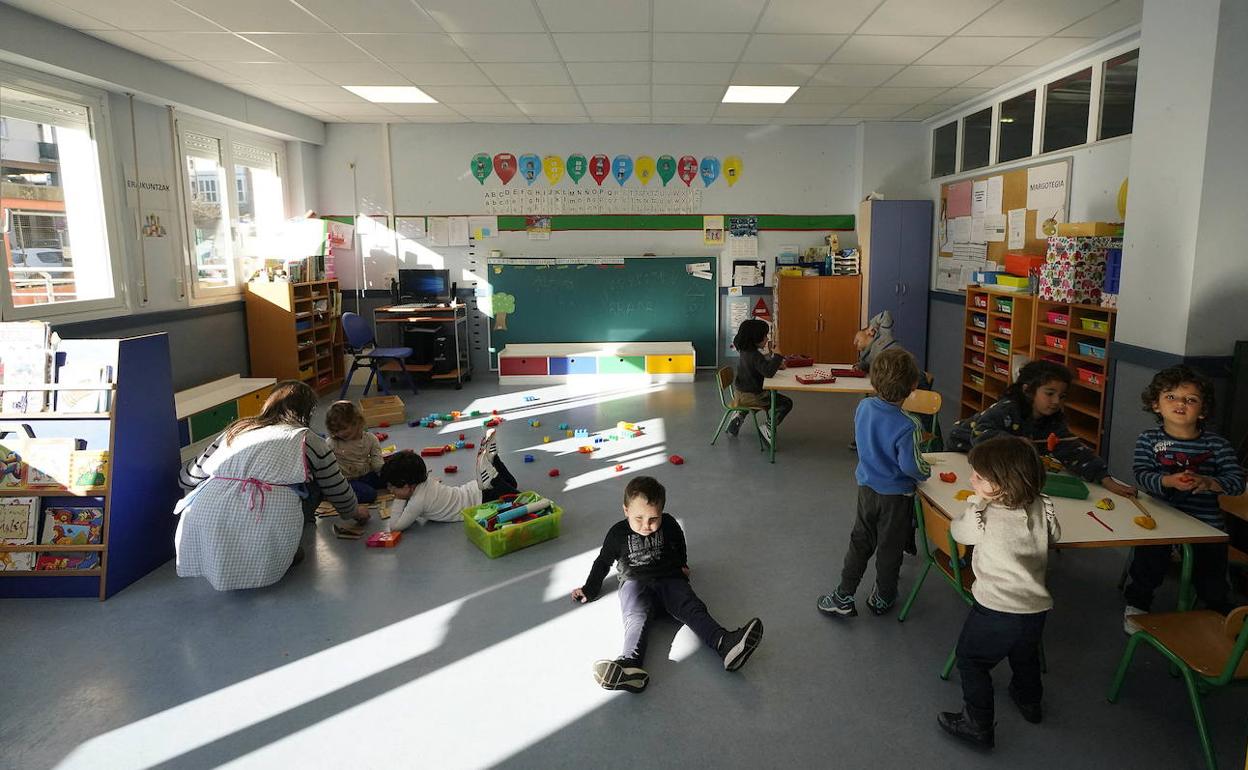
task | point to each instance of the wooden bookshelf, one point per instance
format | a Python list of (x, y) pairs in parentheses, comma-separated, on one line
[(1085, 351), (294, 332), (997, 326)]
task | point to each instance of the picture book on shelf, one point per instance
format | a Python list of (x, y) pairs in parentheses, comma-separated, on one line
[(48, 462), (72, 526), (24, 360), (17, 527), (73, 560), (12, 468), (76, 401), (89, 468)]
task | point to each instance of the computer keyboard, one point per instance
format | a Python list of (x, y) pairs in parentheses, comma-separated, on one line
[(414, 306)]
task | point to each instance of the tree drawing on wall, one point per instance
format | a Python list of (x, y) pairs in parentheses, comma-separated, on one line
[(503, 304)]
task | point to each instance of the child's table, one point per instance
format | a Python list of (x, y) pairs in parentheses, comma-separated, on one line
[(786, 379), (1079, 530)]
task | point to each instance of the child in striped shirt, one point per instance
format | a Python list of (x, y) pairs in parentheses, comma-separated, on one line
[(1187, 466)]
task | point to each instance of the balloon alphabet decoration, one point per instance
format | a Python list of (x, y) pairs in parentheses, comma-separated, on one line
[(480, 166), (530, 166), (732, 169), (709, 169), (667, 168), (552, 167), (505, 166), (599, 167), (576, 167), (687, 169), (644, 166), (622, 168)]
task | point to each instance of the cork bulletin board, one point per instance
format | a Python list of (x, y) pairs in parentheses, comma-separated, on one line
[(1013, 196)]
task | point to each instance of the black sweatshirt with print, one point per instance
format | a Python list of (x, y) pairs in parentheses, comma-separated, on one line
[(661, 554)]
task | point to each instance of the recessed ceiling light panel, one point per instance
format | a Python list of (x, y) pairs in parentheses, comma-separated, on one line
[(392, 94), (758, 94)]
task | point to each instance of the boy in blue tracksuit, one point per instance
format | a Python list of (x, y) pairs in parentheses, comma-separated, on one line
[(889, 468)]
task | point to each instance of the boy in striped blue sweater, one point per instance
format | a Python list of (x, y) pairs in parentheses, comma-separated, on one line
[(1188, 467)]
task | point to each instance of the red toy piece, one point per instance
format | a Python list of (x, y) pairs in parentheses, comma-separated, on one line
[(432, 451), (491, 423), (949, 478), (1052, 442), (383, 425), (494, 411), (553, 472), (461, 437), (451, 469), (383, 539), (470, 446), (619, 468), (676, 460)]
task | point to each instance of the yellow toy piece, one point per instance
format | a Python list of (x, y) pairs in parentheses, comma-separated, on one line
[(545, 439), (1051, 464), (1147, 522), (963, 494), (569, 434), (1105, 504), (388, 450)]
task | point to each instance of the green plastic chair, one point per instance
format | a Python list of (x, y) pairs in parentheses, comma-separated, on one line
[(939, 549), (1206, 648), (726, 397)]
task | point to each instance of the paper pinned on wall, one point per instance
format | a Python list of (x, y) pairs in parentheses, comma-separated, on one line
[(958, 200), (713, 230), (1017, 229), (996, 189), (994, 227), (410, 228), (742, 247), (978, 234), (482, 227), (458, 231), (1046, 193), (960, 230), (979, 197), (439, 231)]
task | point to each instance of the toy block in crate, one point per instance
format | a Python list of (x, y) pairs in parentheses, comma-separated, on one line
[(383, 410)]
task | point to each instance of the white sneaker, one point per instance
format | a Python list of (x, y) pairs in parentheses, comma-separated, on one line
[(488, 447), (1128, 621), (765, 429)]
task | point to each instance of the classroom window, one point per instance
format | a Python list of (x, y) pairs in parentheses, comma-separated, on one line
[(976, 138), (58, 253), (1118, 95), (1066, 106), (235, 204), (945, 149), (1015, 127)]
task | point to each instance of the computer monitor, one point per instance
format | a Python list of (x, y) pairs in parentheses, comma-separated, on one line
[(424, 285)]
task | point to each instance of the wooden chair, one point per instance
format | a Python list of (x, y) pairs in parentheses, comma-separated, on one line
[(1206, 648), (939, 549), (926, 402), (727, 397)]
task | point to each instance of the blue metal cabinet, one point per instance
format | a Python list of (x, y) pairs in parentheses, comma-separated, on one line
[(899, 267)]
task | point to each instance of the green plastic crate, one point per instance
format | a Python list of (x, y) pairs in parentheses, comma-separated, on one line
[(504, 541), (1061, 485)]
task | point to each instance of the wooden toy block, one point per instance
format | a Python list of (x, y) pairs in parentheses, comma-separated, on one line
[(384, 539), (382, 411), (432, 451)]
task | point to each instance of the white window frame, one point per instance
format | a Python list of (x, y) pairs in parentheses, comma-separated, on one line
[(96, 102), (226, 135)]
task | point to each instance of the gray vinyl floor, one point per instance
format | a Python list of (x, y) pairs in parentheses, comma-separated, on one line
[(432, 655)]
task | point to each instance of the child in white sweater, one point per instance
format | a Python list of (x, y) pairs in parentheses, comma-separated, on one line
[(418, 498), (1011, 525)]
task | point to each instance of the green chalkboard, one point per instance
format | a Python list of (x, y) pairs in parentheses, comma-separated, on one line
[(646, 299)]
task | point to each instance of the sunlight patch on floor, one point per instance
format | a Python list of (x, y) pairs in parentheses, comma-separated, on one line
[(556, 398)]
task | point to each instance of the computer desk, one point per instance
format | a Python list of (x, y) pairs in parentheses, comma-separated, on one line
[(450, 316)]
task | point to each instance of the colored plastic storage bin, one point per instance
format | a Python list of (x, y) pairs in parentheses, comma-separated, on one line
[(1001, 369), (1004, 327), (573, 365), (669, 364), (622, 365), (1094, 324), (212, 421), (1004, 305), (1015, 281), (1022, 264), (1057, 319), (1088, 349), (978, 380), (508, 539), (980, 320), (1091, 377), (977, 360), (1054, 341), (1001, 346), (512, 365), (977, 340), (1113, 270), (980, 300)]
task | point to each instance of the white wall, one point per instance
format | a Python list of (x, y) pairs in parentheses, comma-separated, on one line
[(892, 160)]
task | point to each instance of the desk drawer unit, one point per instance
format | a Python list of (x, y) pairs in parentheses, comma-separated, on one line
[(212, 421), (250, 404), (573, 365), (516, 365), (669, 364), (622, 364)]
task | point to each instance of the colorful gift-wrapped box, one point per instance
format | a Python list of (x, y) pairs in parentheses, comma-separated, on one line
[(1074, 268)]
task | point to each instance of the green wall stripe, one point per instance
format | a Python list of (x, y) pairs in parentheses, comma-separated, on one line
[(680, 222)]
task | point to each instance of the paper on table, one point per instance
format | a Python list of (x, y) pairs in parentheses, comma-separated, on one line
[(1017, 229), (439, 231), (996, 187), (459, 231), (960, 230), (994, 227)]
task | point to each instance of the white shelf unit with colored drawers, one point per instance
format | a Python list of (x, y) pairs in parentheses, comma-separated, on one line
[(205, 410), (538, 364)]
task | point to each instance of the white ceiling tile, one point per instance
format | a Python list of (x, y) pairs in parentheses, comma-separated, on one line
[(502, 47), (551, 110), (844, 121), (923, 17), (856, 74), (309, 47), (361, 110), (1027, 17), (268, 93), (807, 16), (633, 93), (543, 94), (257, 15), (824, 111), (466, 94), (423, 110), (436, 119), (958, 95), (484, 15), (526, 74), (442, 74), (798, 49), (599, 73), (694, 16), (780, 120), (754, 74), (558, 119), (1107, 21), (698, 47), (747, 110), (134, 15), (357, 74), (411, 47), (66, 17), (684, 109), (619, 120), (210, 46), (596, 15), (603, 46), (276, 73), (949, 75), (887, 95), (692, 73), (487, 110), (618, 109), (508, 119), (741, 121), (991, 78), (662, 93), (372, 15), (883, 49), (923, 111), (1049, 50), (321, 94), (208, 72), (829, 94), (681, 120), (976, 50), (132, 42), (875, 111)]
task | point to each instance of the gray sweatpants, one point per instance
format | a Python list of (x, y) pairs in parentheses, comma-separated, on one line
[(880, 528)]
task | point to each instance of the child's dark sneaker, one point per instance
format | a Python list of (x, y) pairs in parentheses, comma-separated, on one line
[(959, 725), (620, 674), (734, 425), (735, 647), (1032, 712), (837, 603), (877, 605)]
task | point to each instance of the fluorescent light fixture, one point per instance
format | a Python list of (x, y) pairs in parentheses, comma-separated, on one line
[(759, 94), (1007, 120), (392, 94)]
